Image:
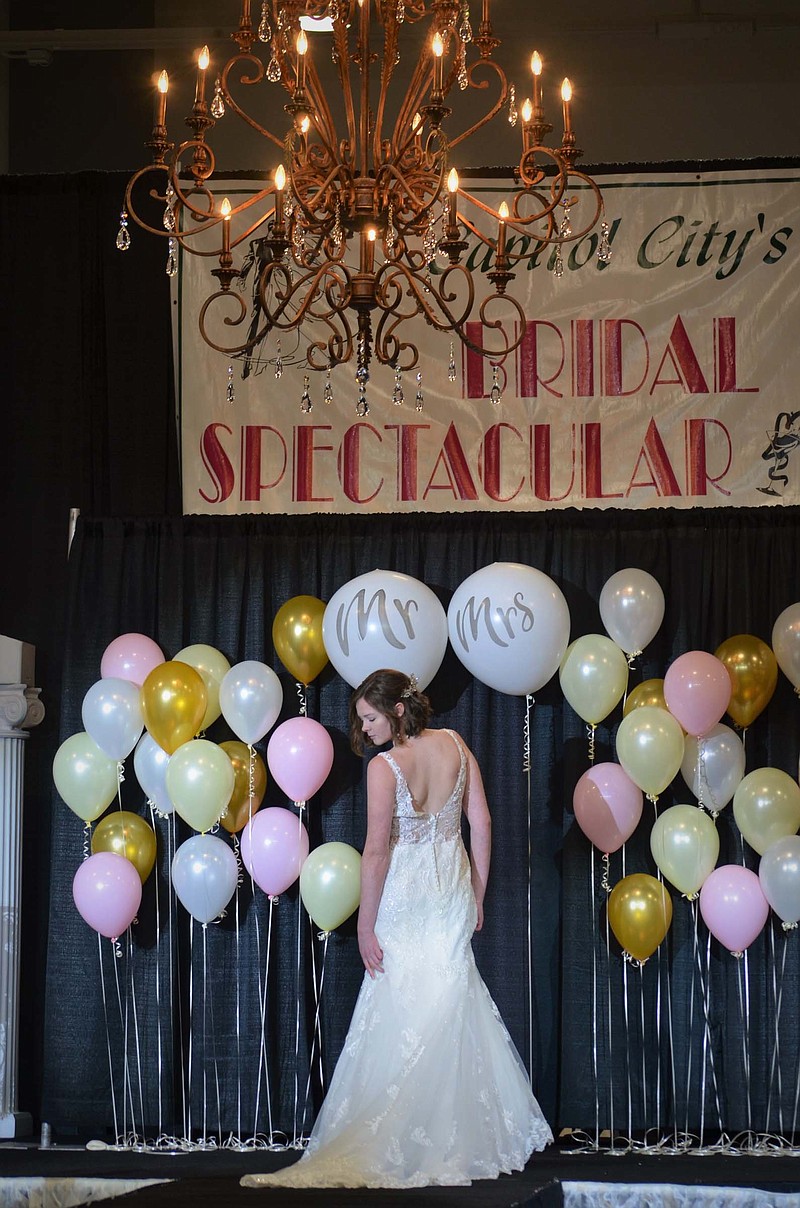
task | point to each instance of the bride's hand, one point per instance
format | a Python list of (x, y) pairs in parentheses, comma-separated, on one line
[(479, 922), (371, 952)]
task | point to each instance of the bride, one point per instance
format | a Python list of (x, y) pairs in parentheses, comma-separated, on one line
[(429, 1088)]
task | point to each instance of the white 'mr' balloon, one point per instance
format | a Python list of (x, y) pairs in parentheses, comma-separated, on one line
[(384, 619), (509, 625)]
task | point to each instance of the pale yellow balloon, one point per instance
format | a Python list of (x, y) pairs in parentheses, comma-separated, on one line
[(650, 748), (593, 676), (212, 667), (200, 781), (685, 847), (330, 884), (766, 806)]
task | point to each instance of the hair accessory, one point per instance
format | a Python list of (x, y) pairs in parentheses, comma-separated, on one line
[(412, 687)]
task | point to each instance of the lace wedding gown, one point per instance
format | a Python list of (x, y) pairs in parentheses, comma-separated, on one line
[(429, 1088)]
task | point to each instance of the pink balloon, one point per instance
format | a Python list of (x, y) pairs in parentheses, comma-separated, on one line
[(697, 691), (733, 906), (107, 891), (608, 805), (274, 845), (300, 756), (131, 656)]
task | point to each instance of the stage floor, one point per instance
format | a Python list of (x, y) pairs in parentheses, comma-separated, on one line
[(204, 1178)]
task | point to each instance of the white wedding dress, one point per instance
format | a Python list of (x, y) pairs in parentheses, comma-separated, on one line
[(429, 1088)]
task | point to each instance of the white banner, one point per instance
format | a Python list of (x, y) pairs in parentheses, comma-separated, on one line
[(664, 378)]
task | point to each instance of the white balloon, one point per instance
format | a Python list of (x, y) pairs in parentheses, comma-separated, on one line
[(251, 698), (721, 766), (632, 609), (204, 876), (384, 619), (112, 715), (509, 625), (150, 765), (786, 643)]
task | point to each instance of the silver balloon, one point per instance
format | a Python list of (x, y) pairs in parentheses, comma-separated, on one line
[(716, 775), (779, 874), (204, 875)]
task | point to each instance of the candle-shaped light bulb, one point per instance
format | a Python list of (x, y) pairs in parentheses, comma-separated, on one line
[(566, 97), (438, 51), (301, 46), (416, 127), (452, 188), (527, 111), (536, 69), (203, 60), (225, 212), (501, 238), (161, 99), (280, 185), (305, 124)]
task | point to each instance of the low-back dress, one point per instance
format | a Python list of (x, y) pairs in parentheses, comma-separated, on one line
[(429, 1088)]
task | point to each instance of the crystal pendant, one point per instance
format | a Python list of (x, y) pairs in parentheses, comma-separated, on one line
[(264, 27), (463, 78), (273, 70), (558, 262), (465, 29), (494, 393), (218, 105), (397, 393), (123, 240), (168, 218), (451, 367), (172, 257), (337, 233), (419, 401), (512, 105), (305, 399), (279, 362), (604, 246), (362, 377), (327, 393), (230, 393), (390, 238), (400, 12), (565, 226), (429, 240)]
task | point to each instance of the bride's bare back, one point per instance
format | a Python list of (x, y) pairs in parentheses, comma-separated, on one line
[(430, 763)]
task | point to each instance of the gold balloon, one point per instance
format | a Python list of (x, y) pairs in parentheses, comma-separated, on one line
[(640, 914), (649, 692), (753, 669), (297, 637), (241, 806), (174, 701), (127, 835)]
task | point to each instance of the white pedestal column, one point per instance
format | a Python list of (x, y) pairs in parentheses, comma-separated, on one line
[(19, 707)]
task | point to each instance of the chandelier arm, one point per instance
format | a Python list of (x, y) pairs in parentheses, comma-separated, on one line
[(156, 196), (480, 86), (322, 117), (517, 223), (236, 349), (341, 49), (246, 80), (390, 53)]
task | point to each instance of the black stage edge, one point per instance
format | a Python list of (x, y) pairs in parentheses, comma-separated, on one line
[(205, 1178)]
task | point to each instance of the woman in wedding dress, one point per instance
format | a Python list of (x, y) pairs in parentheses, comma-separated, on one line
[(429, 1088)]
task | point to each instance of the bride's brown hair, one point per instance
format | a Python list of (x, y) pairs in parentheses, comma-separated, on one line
[(384, 690)]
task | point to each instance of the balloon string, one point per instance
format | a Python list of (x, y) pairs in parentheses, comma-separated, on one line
[(251, 780), (237, 937), (303, 703), (627, 1035), (610, 1031), (190, 1061), (87, 841), (777, 994), (120, 779), (743, 987), (590, 730), (175, 994), (108, 1033), (159, 1042), (123, 1016), (317, 1031), (135, 1014), (297, 1003), (526, 762), (605, 883), (594, 1001)]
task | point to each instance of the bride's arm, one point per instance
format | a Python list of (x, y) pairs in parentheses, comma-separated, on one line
[(480, 832), (375, 860)]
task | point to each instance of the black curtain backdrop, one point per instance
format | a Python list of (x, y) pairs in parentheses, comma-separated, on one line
[(220, 581), (89, 423)]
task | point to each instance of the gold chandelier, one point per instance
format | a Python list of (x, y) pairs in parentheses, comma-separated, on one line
[(364, 223)]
